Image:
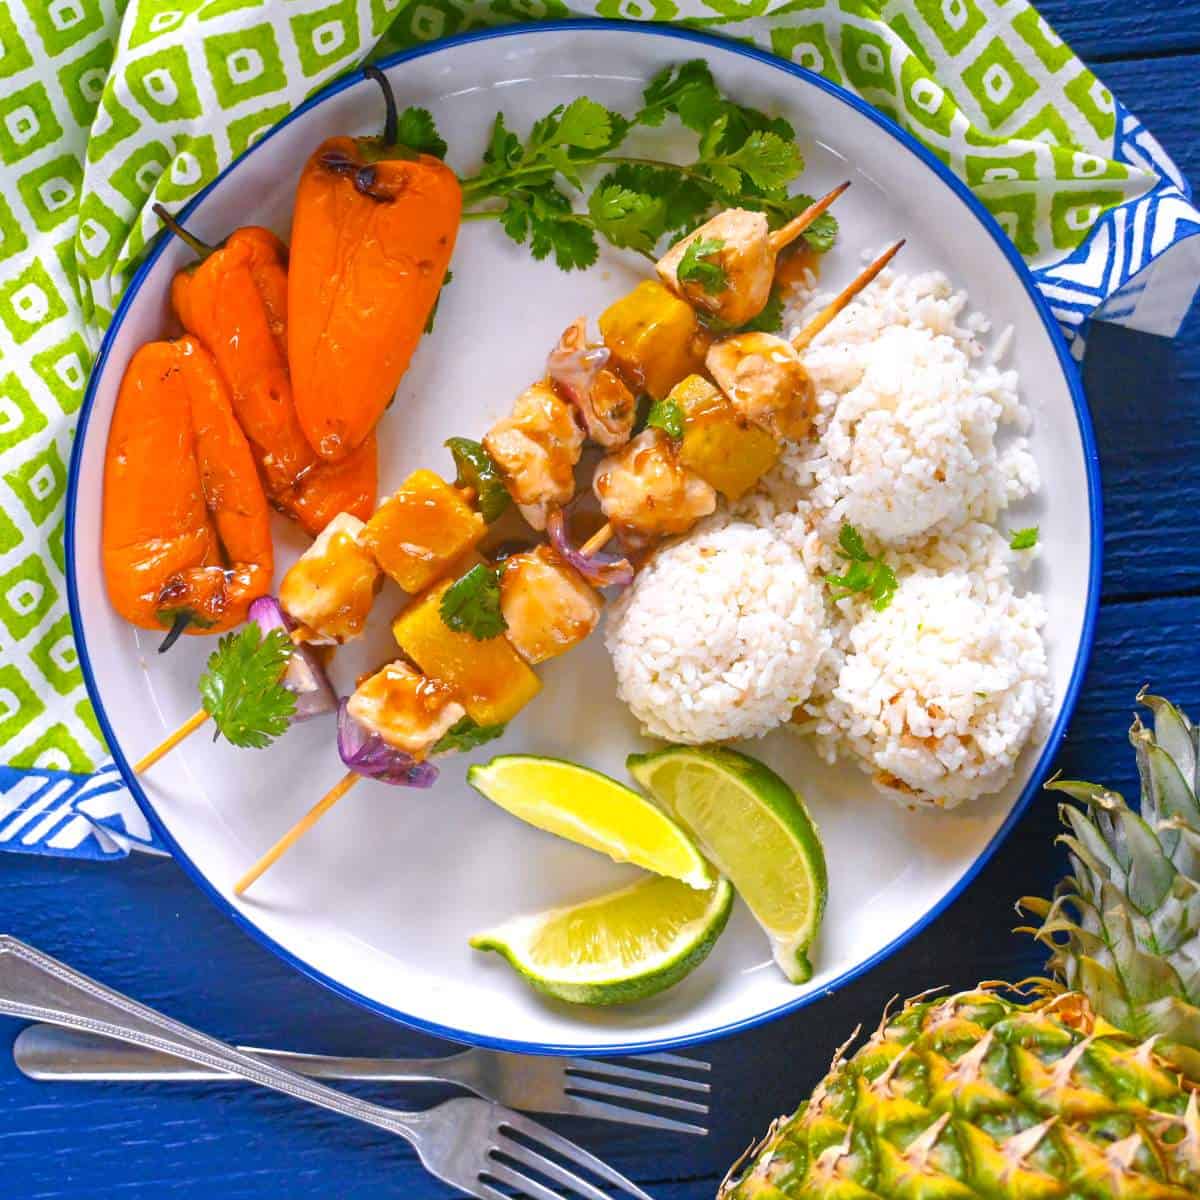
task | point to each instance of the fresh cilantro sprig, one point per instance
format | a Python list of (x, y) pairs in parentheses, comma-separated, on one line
[(242, 689), (1023, 539), (465, 735), (865, 574), (698, 266), (743, 157), (667, 416), (471, 604)]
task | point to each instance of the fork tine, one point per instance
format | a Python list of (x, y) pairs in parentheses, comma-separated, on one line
[(525, 1185), (484, 1191), (676, 1060), (593, 1066), (587, 1087), (570, 1151), (600, 1110), (531, 1158)]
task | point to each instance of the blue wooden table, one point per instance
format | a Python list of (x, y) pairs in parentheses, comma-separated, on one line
[(143, 928)]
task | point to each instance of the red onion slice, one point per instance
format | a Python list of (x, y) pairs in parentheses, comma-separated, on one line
[(305, 676), (367, 754), (573, 366), (599, 570)]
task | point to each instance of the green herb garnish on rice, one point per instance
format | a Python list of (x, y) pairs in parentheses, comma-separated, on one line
[(865, 574)]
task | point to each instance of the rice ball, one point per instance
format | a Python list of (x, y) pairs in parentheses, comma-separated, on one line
[(719, 636), (939, 693), (915, 439)]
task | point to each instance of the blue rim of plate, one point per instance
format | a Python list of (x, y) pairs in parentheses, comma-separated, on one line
[(1091, 461)]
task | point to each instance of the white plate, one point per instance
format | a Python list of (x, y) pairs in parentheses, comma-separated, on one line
[(379, 900)]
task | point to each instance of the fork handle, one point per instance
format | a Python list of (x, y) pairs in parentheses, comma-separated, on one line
[(48, 1052), (40, 988)]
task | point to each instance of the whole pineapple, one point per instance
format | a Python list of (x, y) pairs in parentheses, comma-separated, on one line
[(1081, 1094)]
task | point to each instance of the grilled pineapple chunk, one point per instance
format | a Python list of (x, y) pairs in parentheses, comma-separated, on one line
[(489, 678), (419, 532), (654, 337), (720, 445)]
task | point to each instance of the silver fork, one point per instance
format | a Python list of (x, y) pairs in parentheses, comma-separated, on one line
[(578, 1087), (469, 1143)]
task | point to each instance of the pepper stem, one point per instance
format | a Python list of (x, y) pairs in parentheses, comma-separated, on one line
[(203, 249), (391, 118), (178, 625)]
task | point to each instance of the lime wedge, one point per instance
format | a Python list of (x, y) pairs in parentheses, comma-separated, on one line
[(584, 806), (756, 832), (617, 948)]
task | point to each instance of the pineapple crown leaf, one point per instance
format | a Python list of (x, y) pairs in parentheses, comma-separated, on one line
[(1124, 927)]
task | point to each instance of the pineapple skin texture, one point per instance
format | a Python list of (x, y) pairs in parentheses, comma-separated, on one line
[(979, 1096)]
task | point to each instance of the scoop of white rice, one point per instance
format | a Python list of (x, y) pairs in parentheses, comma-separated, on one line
[(719, 636), (913, 415), (939, 693)]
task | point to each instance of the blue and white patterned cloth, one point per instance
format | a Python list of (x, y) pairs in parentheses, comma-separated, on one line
[(66, 815), (1139, 265)]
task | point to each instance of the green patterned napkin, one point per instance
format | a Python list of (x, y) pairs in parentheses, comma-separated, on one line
[(107, 106)]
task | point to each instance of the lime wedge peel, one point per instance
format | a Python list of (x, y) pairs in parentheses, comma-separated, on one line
[(591, 809), (756, 831), (622, 947)]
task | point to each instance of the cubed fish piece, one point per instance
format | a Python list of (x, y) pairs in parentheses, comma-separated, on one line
[(766, 382), (547, 604), (536, 448), (329, 590), (739, 246), (405, 708), (647, 493)]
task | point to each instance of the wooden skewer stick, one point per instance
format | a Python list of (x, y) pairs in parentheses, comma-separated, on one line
[(169, 743), (786, 235), (831, 310), (298, 830)]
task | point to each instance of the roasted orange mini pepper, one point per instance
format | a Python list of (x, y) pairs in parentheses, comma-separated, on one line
[(234, 299), (372, 233), (186, 525)]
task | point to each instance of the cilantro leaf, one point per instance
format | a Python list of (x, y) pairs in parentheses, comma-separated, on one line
[(586, 125), (667, 416), (242, 689), (866, 575), (465, 735), (416, 130), (477, 469), (627, 218), (504, 148), (690, 84), (1023, 539), (542, 215), (851, 544), (696, 265), (769, 162), (471, 604)]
